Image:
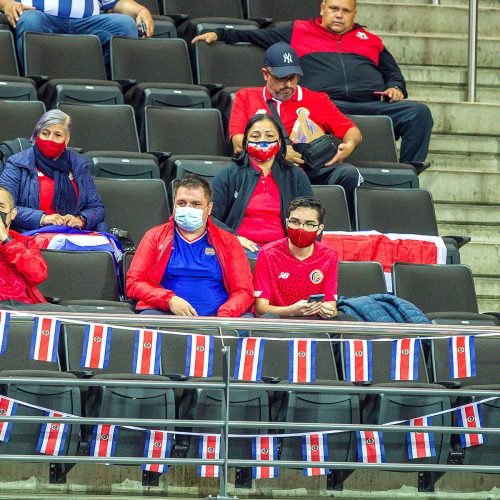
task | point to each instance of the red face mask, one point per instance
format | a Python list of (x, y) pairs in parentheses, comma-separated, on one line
[(50, 149), (263, 151), (301, 238)]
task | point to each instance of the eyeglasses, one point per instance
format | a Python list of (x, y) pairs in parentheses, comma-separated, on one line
[(288, 78), (308, 226)]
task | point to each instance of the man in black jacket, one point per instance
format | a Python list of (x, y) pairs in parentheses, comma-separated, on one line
[(352, 66)]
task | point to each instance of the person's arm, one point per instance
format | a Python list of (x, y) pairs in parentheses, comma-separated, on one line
[(240, 281), (138, 12), (221, 199), (349, 143), (262, 38), (395, 84), (237, 121), (13, 10), (330, 284), (93, 210)]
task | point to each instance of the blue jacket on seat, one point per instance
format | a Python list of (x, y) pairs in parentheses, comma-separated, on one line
[(21, 179), (382, 308)]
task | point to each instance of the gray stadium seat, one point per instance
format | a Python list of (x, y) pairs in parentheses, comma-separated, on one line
[(19, 118), (334, 201), (356, 279)]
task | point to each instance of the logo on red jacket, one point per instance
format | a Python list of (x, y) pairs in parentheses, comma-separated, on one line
[(361, 35), (316, 276)]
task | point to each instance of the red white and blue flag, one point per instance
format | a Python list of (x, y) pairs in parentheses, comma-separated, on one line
[(302, 361), (264, 448), (420, 444), (96, 344), (4, 330), (158, 444), (470, 416), (209, 449), (249, 357), (370, 447), (405, 359), (199, 356), (45, 339), (7, 407), (315, 449), (52, 436), (147, 352), (104, 440), (358, 360), (462, 356)]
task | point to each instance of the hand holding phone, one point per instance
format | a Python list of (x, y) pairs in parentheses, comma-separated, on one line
[(384, 96), (316, 298), (142, 29)]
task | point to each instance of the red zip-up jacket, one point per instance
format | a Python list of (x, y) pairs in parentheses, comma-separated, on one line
[(24, 256), (152, 257)]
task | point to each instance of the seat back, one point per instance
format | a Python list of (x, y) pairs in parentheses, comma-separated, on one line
[(8, 60), (356, 279), (79, 275), (159, 60), (408, 211), (235, 65), (18, 118), (378, 142), (102, 127), (82, 56), (207, 8), (282, 10), (207, 169), (334, 200), (434, 287), (134, 204), (185, 131)]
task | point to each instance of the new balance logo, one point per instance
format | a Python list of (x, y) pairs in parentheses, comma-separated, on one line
[(284, 276)]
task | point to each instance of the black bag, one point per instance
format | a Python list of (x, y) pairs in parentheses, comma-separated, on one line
[(124, 238), (9, 148), (318, 152)]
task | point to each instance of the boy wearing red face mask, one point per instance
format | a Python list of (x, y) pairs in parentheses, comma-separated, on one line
[(291, 270)]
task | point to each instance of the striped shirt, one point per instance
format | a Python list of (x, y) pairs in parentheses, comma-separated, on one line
[(71, 9)]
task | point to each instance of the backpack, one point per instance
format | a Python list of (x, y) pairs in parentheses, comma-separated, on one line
[(9, 148)]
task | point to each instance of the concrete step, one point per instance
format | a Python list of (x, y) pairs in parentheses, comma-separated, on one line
[(446, 50), (480, 233), (443, 143), (462, 187), (446, 75), (487, 286), (482, 257), (465, 118), (488, 304), (456, 213), (484, 162), (407, 18), (463, 3), (451, 93)]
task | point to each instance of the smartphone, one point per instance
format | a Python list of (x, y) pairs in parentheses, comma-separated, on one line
[(316, 298), (385, 94), (142, 29)]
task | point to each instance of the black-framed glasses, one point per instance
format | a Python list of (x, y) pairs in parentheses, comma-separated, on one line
[(296, 224)]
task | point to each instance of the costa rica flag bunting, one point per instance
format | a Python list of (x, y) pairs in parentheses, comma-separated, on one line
[(45, 339), (462, 356), (209, 448), (264, 448), (302, 361), (104, 440), (199, 356), (470, 416), (7, 407), (370, 447), (4, 330), (315, 449), (96, 346), (358, 360), (249, 358), (405, 354), (52, 436), (420, 444), (147, 352), (157, 445)]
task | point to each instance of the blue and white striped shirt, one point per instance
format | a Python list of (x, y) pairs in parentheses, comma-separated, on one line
[(71, 9)]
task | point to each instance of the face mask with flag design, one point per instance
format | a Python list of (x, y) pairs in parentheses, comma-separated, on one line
[(262, 151)]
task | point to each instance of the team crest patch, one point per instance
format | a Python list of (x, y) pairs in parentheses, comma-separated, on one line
[(362, 35), (316, 276), (209, 251)]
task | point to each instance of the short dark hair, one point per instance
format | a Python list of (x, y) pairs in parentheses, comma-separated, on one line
[(193, 181), (242, 158), (307, 202), (10, 196)]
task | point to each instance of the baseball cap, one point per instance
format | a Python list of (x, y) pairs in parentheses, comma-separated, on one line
[(282, 60)]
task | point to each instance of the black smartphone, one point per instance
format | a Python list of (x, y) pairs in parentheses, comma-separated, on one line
[(316, 298), (142, 29)]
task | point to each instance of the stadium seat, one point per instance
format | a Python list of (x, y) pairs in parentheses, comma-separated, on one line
[(404, 211), (164, 25), (376, 155), (79, 76), (207, 8), (334, 200), (19, 118), (134, 204), (204, 166), (184, 131), (280, 10), (108, 136), (445, 293), (356, 279), (12, 86)]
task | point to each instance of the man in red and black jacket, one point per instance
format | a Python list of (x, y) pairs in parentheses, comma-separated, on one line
[(350, 64)]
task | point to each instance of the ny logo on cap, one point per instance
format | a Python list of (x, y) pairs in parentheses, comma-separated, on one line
[(287, 58)]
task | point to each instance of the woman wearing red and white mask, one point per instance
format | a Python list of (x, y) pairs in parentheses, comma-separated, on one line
[(51, 184), (252, 194)]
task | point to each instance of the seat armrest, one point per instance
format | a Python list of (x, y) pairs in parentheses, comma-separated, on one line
[(176, 377), (161, 156), (38, 79), (126, 84), (460, 241), (213, 88), (450, 384), (270, 380), (263, 22), (420, 166), (53, 300), (177, 18), (82, 373)]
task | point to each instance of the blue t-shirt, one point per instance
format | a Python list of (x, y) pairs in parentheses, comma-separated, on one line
[(70, 9), (194, 274)]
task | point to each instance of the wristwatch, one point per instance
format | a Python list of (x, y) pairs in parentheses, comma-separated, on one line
[(6, 240)]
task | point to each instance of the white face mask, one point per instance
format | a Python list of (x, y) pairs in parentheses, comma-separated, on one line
[(189, 219)]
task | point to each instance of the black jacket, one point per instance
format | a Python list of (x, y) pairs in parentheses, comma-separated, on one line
[(348, 67), (234, 186)]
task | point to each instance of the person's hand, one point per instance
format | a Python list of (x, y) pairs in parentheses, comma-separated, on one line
[(73, 221), (209, 38), (293, 156), (181, 307), (145, 15), (13, 10), (54, 219), (395, 94), (304, 308), (248, 244), (343, 151), (328, 310), (3, 231)]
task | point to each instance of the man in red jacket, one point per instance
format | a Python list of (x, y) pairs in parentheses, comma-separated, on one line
[(22, 267), (189, 266)]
